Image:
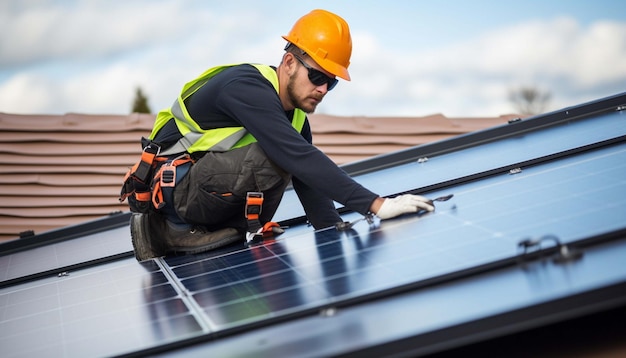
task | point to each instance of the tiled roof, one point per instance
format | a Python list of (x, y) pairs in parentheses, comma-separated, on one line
[(348, 139), (61, 170)]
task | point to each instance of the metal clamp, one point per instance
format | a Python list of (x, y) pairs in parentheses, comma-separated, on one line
[(563, 254)]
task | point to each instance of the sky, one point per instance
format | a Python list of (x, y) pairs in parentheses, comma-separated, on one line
[(410, 58)]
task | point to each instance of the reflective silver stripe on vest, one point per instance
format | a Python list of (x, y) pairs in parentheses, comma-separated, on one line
[(182, 144), (190, 138), (178, 114)]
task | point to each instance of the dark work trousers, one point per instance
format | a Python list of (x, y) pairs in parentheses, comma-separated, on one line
[(213, 193)]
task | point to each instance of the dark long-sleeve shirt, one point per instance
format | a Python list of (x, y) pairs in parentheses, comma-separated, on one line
[(241, 96)]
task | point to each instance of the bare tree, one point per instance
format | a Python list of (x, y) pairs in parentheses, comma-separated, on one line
[(140, 104), (529, 100)]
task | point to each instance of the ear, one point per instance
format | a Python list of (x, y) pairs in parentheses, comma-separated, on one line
[(290, 63)]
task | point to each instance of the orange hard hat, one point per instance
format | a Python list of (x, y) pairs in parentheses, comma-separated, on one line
[(325, 37)]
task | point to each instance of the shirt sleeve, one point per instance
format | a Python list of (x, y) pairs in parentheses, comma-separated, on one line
[(320, 211), (250, 99)]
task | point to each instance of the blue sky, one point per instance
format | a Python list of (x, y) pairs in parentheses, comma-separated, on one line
[(410, 58)]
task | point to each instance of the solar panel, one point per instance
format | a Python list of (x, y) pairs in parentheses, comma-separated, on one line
[(65, 253), (569, 187), (483, 223), (105, 310), (498, 153), (435, 318), (388, 181)]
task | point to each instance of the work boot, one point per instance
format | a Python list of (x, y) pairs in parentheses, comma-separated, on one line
[(192, 240), (146, 244)]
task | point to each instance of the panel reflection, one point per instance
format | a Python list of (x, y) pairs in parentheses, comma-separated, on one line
[(482, 223), (105, 310)]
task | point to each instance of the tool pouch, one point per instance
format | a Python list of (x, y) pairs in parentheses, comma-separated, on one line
[(149, 184), (138, 179)]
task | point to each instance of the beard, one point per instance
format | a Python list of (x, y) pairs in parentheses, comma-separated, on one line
[(298, 102)]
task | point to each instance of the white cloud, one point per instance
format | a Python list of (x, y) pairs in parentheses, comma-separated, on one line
[(99, 53), (574, 63), (90, 30), (28, 93), (602, 54)]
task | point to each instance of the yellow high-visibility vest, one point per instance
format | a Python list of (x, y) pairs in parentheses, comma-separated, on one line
[(196, 139)]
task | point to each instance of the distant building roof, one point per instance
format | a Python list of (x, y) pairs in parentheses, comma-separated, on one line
[(60, 170)]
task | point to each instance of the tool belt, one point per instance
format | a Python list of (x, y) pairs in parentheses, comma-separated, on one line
[(213, 193), (145, 182)]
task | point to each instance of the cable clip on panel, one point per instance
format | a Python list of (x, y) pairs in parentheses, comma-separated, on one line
[(347, 225), (532, 248)]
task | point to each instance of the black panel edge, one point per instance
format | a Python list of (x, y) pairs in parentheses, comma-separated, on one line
[(460, 142), (482, 175), (518, 260), (60, 270), (575, 306), (607, 104), (524, 164), (112, 221), (119, 219)]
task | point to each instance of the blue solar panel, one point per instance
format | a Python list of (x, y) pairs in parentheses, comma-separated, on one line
[(66, 253), (571, 185), (483, 223), (105, 310), (479, 158)]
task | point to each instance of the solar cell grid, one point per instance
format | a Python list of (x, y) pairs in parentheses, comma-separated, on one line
[(500, 152), (123, 306), (483, 223), (66, 253), (100, 311)]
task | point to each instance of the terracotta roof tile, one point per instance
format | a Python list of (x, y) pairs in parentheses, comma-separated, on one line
[(60, 170)]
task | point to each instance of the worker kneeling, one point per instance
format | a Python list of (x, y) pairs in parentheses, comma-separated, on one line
[(216, 164)]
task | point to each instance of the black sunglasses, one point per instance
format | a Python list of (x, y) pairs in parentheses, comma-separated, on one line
[(317, 77)]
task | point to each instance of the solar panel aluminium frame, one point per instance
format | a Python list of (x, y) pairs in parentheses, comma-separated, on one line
[(566, 308), (513, 128), (114, 220), (120, 219), (450, 277), (384, 294), (583, 303), (577, 304)]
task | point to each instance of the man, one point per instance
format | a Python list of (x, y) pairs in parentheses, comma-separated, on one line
[(234, 139)]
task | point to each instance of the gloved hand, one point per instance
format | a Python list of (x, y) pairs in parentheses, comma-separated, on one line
[(404, 204)]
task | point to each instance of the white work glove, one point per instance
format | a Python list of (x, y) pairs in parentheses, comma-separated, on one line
[(404, 204)]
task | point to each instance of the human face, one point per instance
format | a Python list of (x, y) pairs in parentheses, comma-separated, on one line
[(302, 93)]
